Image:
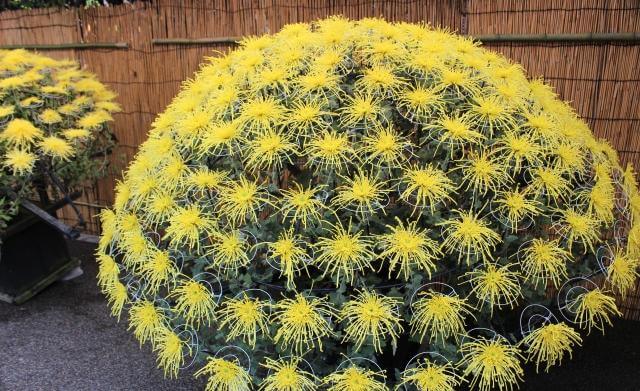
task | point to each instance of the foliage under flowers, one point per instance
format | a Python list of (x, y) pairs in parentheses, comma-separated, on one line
[(344, 191), (53, 127)]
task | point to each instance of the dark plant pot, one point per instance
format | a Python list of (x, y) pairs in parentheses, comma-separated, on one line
[(33, 254)]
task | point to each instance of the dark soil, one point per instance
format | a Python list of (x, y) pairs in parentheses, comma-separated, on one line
[(65, 339)]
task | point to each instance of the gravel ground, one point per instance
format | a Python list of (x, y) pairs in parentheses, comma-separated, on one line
[(65, 339)]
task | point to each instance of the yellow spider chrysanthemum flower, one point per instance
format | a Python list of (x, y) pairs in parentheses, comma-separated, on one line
[(225, 375), (379, 80), (159, 270), (549, 344), (355, 378), (425, 186), (286, 375), (194, 301), (458, 81), (360, 110), (229, 251), (302, 323), (571, 159), (108, 272), (519, 149), (6, 111), (385, 146), (593, 309), (344, 253), (94, 119), (371, 316), (117, 297), (269, 149), (495, 286), (301, 205), (171, 350), (515, 206), (308, 116), (320, 81), (173, 172), (20, 132), (491, 363), (329, 150), (440, 315), (50, 117), (407, 247), (420, 102), (429, 376), (204, 179), (601, 200), (579, 227), (454, 131), (244, 317), (56, 147), (482, 172), (362, 194), (221, 137), (491, 113), (544, 260), (550, 183), (161, 205), (623, 273), (240, 200), (146, 320), (19, 161), (289, 254), (468, 235), (187, 226), (261, 114)]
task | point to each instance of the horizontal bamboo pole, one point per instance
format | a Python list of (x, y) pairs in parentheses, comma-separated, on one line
[(71, 45), (583, 37), (541, 38), (196, 41)]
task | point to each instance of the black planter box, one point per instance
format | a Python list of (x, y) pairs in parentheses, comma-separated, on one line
[(33, 254)]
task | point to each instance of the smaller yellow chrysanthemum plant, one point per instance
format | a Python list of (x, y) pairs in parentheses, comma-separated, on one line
[(53, 126)]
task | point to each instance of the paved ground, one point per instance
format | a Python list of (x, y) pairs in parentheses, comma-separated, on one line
[(64, 339)]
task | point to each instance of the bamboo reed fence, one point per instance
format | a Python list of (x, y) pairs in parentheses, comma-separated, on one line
[(588, 49)]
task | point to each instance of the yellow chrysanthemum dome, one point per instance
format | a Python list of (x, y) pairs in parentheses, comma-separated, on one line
[(46, 107), (349, 205)]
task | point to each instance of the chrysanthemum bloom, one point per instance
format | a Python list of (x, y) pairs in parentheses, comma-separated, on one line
[(287, 375), (171, 349), (543, 261), (622, 273), (302, 323), (430, 376), (342, 168), (244, 317), (439, 315), (344, 253), (593, 309), (548, 344), (467, 236), (370, 316), (289, 254), (146, 320), (225, 375), (407, 248), (491, 363), (495, 286), (355, 378), (195, 301)]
